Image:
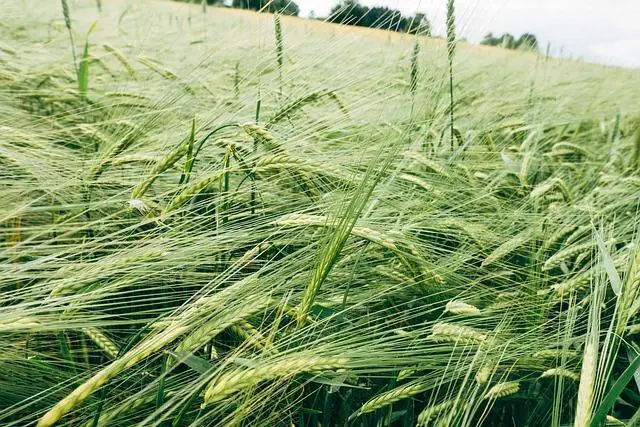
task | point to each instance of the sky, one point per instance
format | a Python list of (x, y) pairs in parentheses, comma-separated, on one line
[(602, 31)]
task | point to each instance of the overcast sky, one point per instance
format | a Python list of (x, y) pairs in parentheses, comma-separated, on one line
[(604, 31)]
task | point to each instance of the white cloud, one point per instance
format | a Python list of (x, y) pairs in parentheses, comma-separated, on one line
[(619, 52), (597, 30)]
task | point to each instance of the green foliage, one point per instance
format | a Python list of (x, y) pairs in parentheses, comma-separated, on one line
[(614, 393), (526, 41), (351, 12), (284, 7)]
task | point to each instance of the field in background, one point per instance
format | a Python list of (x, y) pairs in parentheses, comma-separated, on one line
[(199, 227)]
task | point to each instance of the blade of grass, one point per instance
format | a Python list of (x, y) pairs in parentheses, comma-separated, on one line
[(607, 403)]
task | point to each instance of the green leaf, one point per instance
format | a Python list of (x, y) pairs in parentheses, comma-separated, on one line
[(635, 420), (92, 28), (196, 363), (83, 72), (614, 278), (617, 388), (184, 178), (247, 363)]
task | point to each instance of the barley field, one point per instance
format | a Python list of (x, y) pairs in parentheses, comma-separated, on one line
[(214, 217)]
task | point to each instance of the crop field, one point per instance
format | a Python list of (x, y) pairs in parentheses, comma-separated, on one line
[(214, 217)]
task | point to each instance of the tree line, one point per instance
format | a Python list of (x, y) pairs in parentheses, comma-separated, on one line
[(351, 12), (526, 41), (348, 12)]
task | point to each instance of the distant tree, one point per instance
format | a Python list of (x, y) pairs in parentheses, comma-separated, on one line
[(419, 24), (508, 41), (351, 12), (383, 17), (490, 40), (527, 41), (285, 7)]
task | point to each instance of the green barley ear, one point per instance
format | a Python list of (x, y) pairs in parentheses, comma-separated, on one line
[(390, 397), (67, 23), (502, 390), (121, 58), (102, 341), (203, 3), (165, 163), (413, 77), (297, 104), (99, 5), (414, 68), (451, 51), (431, 411), (279, 48), (239, 379)]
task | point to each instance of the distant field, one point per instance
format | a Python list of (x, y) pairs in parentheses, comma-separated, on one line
[(206, 224)]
